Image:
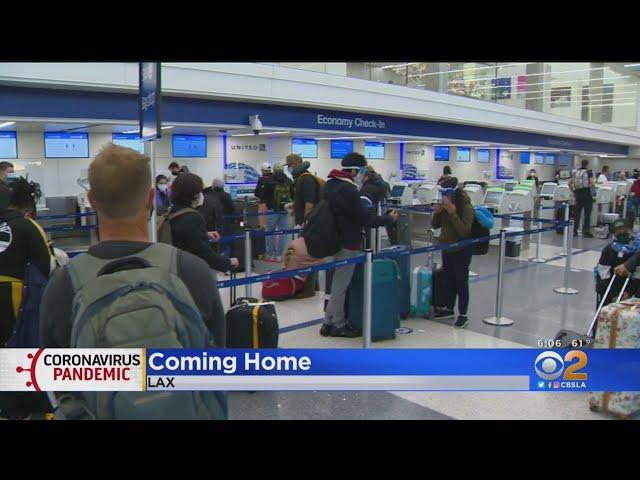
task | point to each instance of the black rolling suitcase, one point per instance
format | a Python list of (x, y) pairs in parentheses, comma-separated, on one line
[(440, 292), (571, 339), (251, 323)]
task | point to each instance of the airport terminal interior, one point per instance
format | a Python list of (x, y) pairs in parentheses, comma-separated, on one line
[(490, 123)]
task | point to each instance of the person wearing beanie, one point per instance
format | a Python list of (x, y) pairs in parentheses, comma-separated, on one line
[(264, 194), (454, 215), (342, 192), (218, 194)]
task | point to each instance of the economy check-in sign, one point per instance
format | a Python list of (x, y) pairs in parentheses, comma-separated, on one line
[(150, 101)]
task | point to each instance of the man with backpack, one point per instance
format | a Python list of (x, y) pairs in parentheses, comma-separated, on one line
[(306, 194), (127, 292), (342, 197), (581, 185)]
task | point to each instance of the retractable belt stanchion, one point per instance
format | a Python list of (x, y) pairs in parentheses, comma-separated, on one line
[(368, 286), (498, 319), (565, 289), (379, 231), (247, 259), (538, 258), (566, 231)]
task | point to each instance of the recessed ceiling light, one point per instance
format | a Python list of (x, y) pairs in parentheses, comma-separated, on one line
[(6, 124)]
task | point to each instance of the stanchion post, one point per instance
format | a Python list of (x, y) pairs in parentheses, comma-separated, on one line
[(498, 319), (247, 259), (565, 289), (565, 231), (378, 230), (538, 258), (368, 295)]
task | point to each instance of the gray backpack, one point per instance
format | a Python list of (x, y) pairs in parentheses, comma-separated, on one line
[(138, 302), (581, 179), (164, 225)]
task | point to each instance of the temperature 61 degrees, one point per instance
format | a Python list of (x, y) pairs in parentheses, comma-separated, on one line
[(581, 342)]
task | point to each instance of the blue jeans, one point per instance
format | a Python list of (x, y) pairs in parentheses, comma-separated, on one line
[(275, 243)]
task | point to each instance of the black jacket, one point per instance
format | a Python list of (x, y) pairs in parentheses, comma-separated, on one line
[(375, 189), (264, 190), (212, 211), (351, 216), (190, 234), (609, 257)]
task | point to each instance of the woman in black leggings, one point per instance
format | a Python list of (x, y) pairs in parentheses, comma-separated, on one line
[(454, 215)]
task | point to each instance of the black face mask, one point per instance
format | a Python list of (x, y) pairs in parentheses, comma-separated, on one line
[(175, 173)]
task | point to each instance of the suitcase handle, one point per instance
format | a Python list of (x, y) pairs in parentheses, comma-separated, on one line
[(604, 299)]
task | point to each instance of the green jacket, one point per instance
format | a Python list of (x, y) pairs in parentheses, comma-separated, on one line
[(456, 226)]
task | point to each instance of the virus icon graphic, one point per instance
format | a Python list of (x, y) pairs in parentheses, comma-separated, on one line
[(32, 369)]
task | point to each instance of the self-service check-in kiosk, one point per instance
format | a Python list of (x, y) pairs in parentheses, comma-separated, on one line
[(601, 211), (476, 194), (515, 202), (427, 193), (401, 194)]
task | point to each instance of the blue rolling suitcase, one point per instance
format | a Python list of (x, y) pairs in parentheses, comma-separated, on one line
[(403, 259), (385, 305)]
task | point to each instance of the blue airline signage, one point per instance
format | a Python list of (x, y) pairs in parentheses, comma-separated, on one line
[(150, 100)]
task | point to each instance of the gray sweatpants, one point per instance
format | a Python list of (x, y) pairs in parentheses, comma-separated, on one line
[(335, 315)]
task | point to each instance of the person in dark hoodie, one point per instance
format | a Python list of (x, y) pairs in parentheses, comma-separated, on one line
[(454, 215), (189, 230), (342, 193), (212, 212), (374, 187), (228, 211)]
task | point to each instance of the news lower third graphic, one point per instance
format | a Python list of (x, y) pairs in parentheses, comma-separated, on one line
[(131, 369)]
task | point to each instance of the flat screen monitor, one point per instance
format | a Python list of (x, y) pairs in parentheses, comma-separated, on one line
[(339, 148), (548, 190), (539, 158), (525, 158), (483, 155), (397, 191), (66, 145), (441, 154), (8, 145), (305, 147), (374, 150), (463, 154), (565, 174), (493, 198), (193, 146), (550, 159), (128, 140)]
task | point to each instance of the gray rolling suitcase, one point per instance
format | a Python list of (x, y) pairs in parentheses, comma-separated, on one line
[(571, 339)]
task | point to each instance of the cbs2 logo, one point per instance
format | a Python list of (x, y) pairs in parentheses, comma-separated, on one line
[(550, 365)]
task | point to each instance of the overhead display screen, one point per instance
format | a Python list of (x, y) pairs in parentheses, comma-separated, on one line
[(339, 148), (66, 145), (549, 159), (441, 154), (129, 140), (305, 147), (193, 146), (539, 158), (525, 158), (463, 154), (374, 150), (8, 145), (482, 155)]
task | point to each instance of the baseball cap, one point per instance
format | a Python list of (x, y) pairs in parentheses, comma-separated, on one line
[(354, 160), (266, 166), (292, 157)]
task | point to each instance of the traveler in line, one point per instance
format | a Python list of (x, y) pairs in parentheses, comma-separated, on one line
[(446, 173), (581, 185), (374, 187), (163, 202), (228, 211), (306, 194), (213, 214), (188, 228), (455, 217), (276, 193), (342, 193), (6, 172), (120, 191)]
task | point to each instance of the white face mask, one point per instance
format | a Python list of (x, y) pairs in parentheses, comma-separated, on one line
[(163, 187), (199, 200)]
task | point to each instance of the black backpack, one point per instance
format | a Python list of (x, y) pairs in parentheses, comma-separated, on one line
[(477, 231), (321, 232)]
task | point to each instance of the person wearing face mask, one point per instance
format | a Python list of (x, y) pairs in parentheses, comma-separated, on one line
[(6, 171), (188, 229), (342, 193), (163, 201), (532, 176)]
